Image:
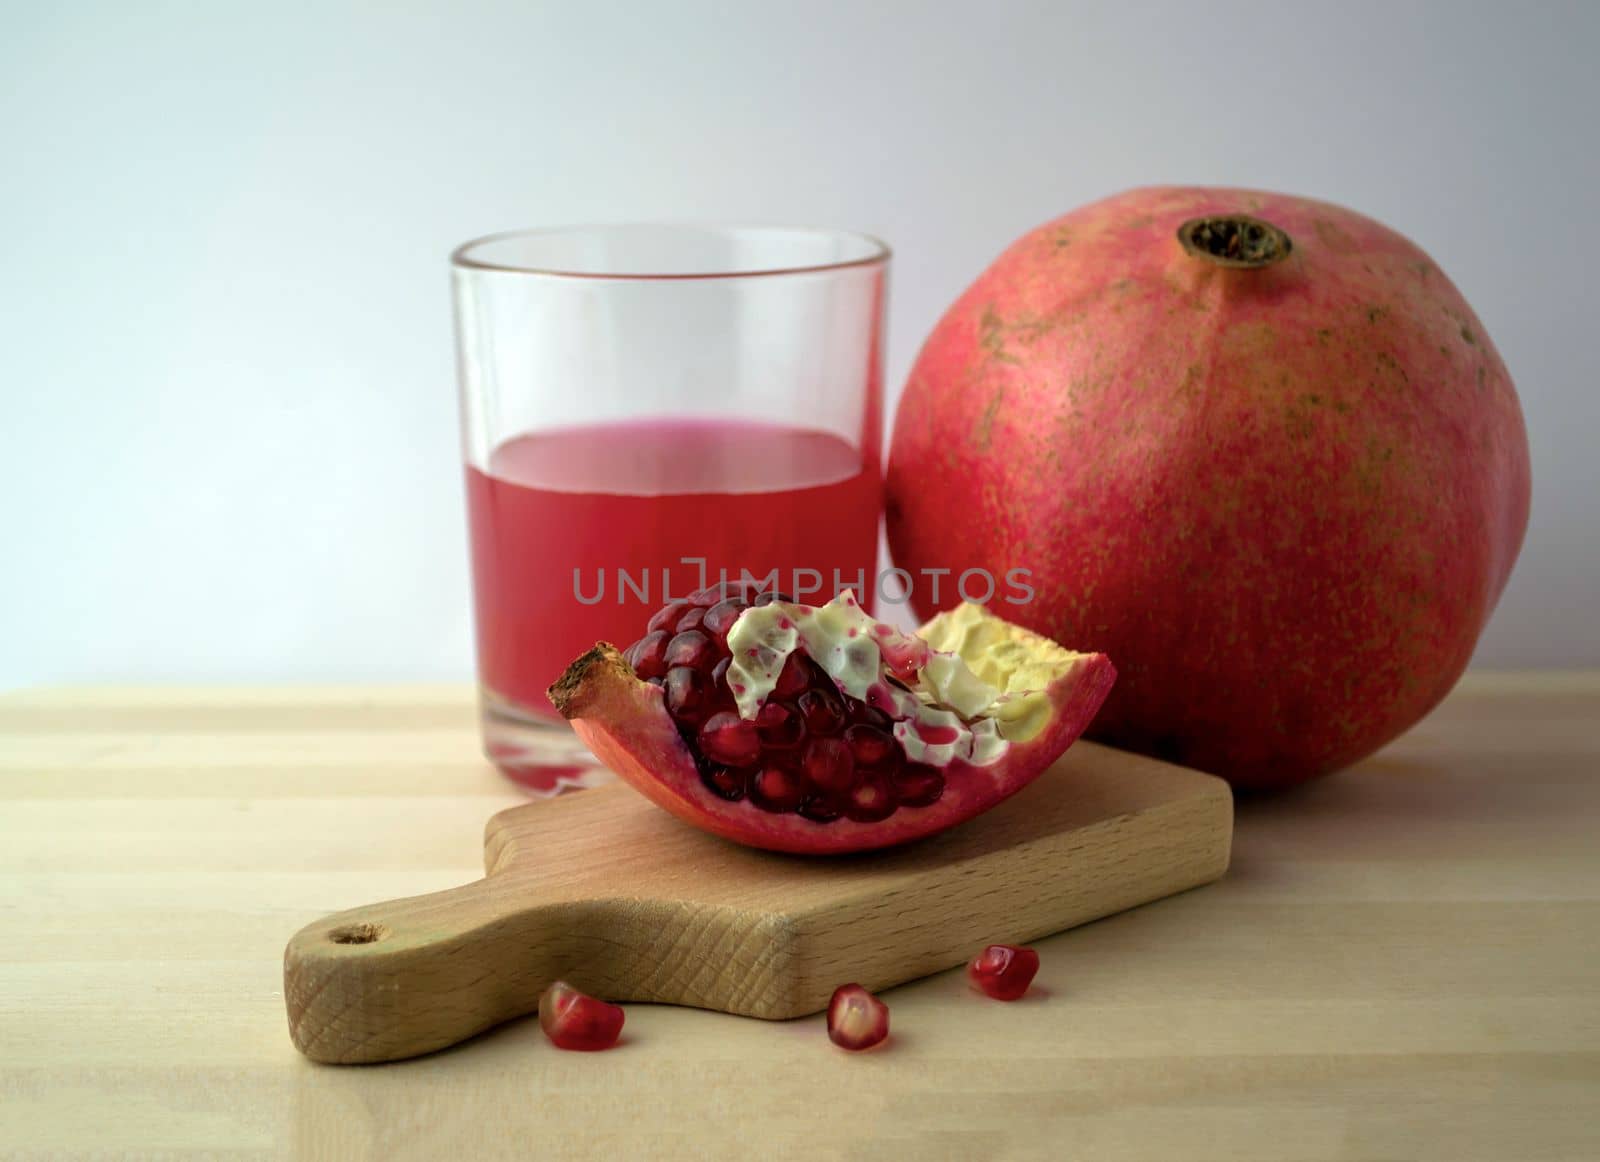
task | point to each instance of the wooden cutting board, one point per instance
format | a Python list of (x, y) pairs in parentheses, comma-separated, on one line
[(608, 892)]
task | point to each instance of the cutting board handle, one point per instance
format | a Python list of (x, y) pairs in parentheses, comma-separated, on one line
[(393, 980)]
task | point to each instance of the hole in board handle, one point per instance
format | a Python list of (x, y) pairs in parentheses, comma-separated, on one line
[(357, 934)]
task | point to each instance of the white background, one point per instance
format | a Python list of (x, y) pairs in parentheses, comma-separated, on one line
[(228, 435)]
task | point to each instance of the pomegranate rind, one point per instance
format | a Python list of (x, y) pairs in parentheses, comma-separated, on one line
[(624, 721)]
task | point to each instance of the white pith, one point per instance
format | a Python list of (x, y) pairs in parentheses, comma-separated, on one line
[(947, 711)]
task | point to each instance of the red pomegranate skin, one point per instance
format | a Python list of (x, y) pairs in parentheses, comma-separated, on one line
[(1285, 499)]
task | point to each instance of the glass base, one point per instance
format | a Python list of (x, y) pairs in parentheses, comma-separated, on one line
[(541, 755)]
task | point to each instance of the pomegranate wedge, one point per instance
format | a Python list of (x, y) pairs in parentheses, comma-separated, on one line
[(818, 729)]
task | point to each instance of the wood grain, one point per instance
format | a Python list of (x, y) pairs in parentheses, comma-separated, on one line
[(1400, 963), (615, 896)]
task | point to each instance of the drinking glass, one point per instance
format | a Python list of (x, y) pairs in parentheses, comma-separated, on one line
[(646, 409)]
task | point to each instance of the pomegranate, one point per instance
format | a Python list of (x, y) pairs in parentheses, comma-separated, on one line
[(1255, 447), (574, 1020), (1003, 971), (818, 730), (856, 1019)]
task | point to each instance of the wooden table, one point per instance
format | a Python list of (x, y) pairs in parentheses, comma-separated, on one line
[(1404, 962)]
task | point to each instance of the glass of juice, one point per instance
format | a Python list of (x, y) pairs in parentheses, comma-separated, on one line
[(646, 410)]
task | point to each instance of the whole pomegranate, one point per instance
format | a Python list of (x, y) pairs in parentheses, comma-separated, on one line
[(1257, 448)]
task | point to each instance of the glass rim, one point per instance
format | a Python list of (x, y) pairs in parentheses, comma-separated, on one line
[(462, 257)]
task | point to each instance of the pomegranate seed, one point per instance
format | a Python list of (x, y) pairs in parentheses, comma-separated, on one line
[(870, 800), (819, 810), (710, 595), (647, 656), (856, 1019), (573, 1020), (719, 674), (889, 765), (794, 679), (775, 789), (878, 699), (727, 782), (666, 617), (691, 620), (823, 711), (905, 656), (863, 715), (685, 690), (692, 649), (727, 738), (1003, 971), (720, 617), (828, 765), (869, 745), (780, 726), (918, 786), (768, 597)]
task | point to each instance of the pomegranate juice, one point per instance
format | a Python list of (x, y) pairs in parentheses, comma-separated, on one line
[(579, 534)]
